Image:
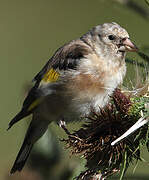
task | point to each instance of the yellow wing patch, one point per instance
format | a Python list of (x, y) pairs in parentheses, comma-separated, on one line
[(51, 76), (34, 104)]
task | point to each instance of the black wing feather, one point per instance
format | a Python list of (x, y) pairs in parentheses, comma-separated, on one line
[(66, 57), (32, 96)]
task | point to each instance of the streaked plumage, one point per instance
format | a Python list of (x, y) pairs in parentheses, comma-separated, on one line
[(80, 75)]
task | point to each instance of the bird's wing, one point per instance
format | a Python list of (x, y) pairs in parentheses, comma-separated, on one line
[(67, 57)]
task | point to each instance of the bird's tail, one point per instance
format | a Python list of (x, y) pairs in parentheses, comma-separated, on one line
[(36, 129), (21, 157)]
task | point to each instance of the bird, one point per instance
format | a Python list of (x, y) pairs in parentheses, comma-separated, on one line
[(80, 76)]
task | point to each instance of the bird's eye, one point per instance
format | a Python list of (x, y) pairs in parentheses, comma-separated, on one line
[(111, 37)]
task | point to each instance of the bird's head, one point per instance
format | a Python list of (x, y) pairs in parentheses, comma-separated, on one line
[(110, 39)]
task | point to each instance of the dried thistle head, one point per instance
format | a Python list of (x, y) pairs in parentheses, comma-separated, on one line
[(93, 140)]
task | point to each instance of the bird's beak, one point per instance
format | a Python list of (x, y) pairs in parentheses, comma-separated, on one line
[(129, 45)]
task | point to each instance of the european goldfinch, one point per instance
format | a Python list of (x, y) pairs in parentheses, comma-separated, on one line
[(80, 76)]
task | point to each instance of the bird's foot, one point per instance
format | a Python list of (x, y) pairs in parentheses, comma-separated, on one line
[(62, 124)]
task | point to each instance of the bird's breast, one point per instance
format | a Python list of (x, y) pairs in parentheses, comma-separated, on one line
[(94, 83)]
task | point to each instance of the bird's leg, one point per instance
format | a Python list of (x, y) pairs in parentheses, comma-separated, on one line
[(62, 124)]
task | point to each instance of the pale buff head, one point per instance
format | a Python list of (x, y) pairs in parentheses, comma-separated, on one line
[(110, 40)]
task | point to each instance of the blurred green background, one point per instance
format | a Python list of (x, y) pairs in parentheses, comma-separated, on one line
[(30, 32)]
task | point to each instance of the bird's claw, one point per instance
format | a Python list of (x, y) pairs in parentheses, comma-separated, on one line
[(62, 124)]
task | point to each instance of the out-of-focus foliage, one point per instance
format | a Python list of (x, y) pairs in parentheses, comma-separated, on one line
[(135, 6)]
